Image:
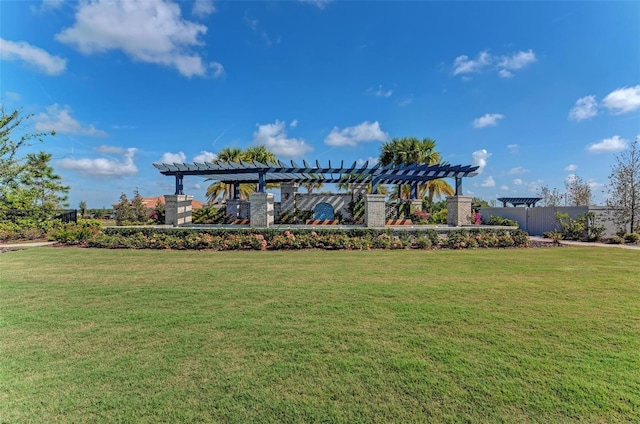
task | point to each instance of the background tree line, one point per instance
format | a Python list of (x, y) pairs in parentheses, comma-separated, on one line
[(30, 190)]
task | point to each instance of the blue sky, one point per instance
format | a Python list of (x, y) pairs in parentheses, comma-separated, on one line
[(532, 92)]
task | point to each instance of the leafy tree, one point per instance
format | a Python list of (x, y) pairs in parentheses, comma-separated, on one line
[(124, 211), (10, 163), (480, 202), (624, 188), (578, 191), (83, 207), (550, 197), (28, 186), (159, 212), (138, 209)]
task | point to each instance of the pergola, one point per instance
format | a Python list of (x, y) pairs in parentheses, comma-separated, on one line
[(519, 201), (278, 172)]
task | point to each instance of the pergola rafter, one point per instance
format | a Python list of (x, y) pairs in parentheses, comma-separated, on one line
[(263, 173)]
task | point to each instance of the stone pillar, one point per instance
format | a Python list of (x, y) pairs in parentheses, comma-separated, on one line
[(261, 209), (177, 209), (244, 209), (232, 208), (288, 192), (416, 205), (374, 210), (458, 211)]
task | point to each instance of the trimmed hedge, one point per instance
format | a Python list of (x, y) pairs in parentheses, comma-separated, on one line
[(272, 239)]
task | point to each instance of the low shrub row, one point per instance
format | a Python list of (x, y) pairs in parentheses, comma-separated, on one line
[(270, 239), (54, 230)]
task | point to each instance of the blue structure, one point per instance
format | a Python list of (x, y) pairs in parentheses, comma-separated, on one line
[(263, 173)]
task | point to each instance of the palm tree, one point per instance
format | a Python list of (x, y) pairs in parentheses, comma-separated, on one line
[(260, 154), (225, 191), (438, 188), (310, 186), (411, 150), (233, 154)]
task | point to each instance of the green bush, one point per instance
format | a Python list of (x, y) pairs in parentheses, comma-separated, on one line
[(210, 215), (274, 239), (500, 221), (615, 240), (631, 238), (423, 242), (439, 217)]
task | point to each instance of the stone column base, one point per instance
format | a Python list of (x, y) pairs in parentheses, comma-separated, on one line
[(177, 209), (374, 210), (459, 211), (261, 210), (232, 208)]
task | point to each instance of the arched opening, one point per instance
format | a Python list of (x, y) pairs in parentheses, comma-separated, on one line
[(323, 211)]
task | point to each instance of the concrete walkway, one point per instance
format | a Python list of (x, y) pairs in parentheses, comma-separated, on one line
[(586, 244), (26, 244)]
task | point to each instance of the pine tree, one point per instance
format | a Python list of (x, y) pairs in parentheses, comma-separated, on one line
[(124, 212)]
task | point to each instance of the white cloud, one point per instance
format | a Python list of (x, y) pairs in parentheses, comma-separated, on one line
[(613, 144), (504, 64), (623, 100), (253, 24), (480, 159), (13, 96), (487, 182), (380, 92), (60, 120), (504, 187), (274, 137), (102, 167), (586, 107), (110, 149), (150, 31), (488, 120), (293, 123), (169, 157), (361, 133), (406, 102), (203, 8), (371, 160), (463, 65), (513, 148), (205, 156), (32, 55), (595, 185), (570, 178), (571, 167), (517, 182), (517, 60), (518, 170), (47, 5), (534, 186), (320, 4)]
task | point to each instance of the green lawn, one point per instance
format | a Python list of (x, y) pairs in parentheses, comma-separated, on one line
[(519, 335)]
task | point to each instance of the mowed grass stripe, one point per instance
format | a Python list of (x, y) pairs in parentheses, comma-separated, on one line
[(524, 335)]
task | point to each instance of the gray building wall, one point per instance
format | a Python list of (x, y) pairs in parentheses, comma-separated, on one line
[(537, 220)]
